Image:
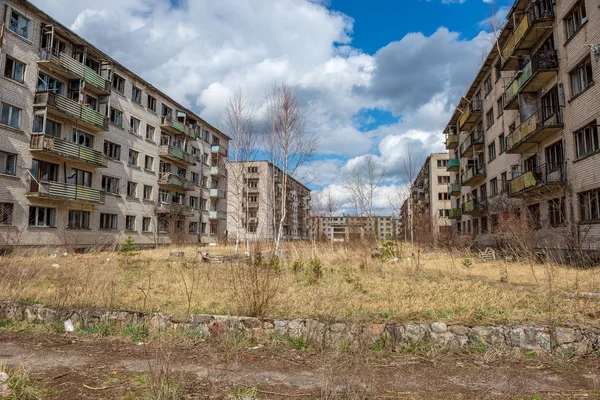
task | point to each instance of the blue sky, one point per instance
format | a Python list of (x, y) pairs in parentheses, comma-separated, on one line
[(378, 76)]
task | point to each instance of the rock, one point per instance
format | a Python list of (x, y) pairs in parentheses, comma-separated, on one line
[(377, 329), (268, 325), (415, 332), (217, 329), (202, 319), (55, 265), (69, 326), (280, 324), (4, 390), (438, 327), (566, 335), (4, 377), (337, 327), (251, 323), (459, 330)]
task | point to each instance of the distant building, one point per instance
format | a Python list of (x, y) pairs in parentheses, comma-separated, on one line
[(254, 203), (352, 228), (430, 199)]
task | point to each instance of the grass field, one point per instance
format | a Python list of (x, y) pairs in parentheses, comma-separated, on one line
[(317, 281)]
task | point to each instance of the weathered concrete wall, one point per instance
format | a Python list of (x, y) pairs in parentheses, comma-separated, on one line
[(577, 339)]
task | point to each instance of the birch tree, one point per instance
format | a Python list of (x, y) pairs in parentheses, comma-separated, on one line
[(242, 146), (288, 143)]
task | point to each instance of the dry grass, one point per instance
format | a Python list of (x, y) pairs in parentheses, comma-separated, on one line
[(348, 286)]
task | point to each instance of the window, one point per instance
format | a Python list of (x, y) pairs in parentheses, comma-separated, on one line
[(443, 196), (131, 189), (554, 156), (42, 216), (444, 213), (147, 192), (130, 222), (11, 116), (575, 19), (118, 83), (108, 221), (52, 128), (150, 132), (586, 141), (253, 183), (442, 163), (149, 163), (502, 141), (194, 202), (151, 103), (581, 77), (500, 105), (79, 219), (19, 24), (533, 212), (132, 159), (134, 125), (50, 84), (590, 205), (163, 223), (81, 138), (504, 181), (487, 85), (136, 95), (498, 70), (6, 213), (196, 178), (112, 150), (110, 184), (167, 111), (44, 171), (8, 163), (494, 187), (193, 227), (205, 135), (252, 170), (14, 70), (484, 225), (204, 204), (205, 182), (490, 118), (116, 117), (443, 180), (492, 151), (146, 224), (80, 177), (556, 207)]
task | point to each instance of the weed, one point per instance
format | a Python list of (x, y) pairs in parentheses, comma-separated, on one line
[(245, 393), (21, 386), (382, 343), (137, 333), (478, 348), (314, 271), (417, 346), (529, 354), (97, 331), (298, 266), (296, 343), (467, 262)]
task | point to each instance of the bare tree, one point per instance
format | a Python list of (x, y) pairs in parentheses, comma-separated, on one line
[(324, 204), (289, 145), (242, 146), (362, 180)]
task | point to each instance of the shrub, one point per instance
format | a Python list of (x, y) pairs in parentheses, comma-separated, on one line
[(314, 272)]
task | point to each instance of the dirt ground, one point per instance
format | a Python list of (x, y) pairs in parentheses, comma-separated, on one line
[(76, 368)]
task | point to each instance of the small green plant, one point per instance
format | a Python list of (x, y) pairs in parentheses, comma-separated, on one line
[(129, 247), (314, 271), (137, 333), (296, 343), (99, 330), (387, 247), (478, 348), (529, 354), (298, 266), (381, 344), (21, 386), (467, 262)]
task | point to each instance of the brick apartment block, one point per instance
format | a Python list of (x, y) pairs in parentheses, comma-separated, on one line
[(90, 153), (343, 229), (525, 135), (254, 203)]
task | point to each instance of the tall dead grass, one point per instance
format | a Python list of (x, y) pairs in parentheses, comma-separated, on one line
[(351, 285)]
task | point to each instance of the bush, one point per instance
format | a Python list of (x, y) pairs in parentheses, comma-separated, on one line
[(255, 285), (314, 271)]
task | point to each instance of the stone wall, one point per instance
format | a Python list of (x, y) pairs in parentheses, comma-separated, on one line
[(575, 339)]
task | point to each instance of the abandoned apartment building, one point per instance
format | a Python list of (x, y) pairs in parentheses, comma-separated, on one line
[(90, 153), (524, 138), (256, 200)]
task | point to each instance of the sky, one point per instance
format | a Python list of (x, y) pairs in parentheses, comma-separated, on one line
[(376, 76)]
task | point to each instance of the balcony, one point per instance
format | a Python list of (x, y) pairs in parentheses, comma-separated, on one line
[(454, 189), (73, 69), (538, 127), (473, 142), (175, 182), (67, 108), (470, 115), (176, 154), (217, 215), (451, 142), (175, 127), (173, 208), (217, 193), (251, 190), (545, 178), (254, 204), (474, 207), (537, 20), (218, 149), (65, 192), (453, 165), (455, 213), (532, 78), (66, 149), (473, 175), (220, 171)]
